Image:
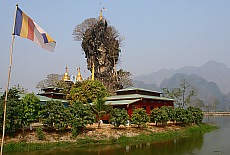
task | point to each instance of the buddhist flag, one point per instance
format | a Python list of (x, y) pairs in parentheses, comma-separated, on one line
[(25, 27)]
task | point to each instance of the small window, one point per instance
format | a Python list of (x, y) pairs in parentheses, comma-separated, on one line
[(134, 107), (151, 101), (152, 107), (144, 101), (159, 101), (144, 107)]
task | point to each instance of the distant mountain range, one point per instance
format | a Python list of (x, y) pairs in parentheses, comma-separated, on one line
[(211, 82), (208, 92), (212, 71)]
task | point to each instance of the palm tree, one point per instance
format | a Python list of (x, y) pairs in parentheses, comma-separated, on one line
[(100, 109)]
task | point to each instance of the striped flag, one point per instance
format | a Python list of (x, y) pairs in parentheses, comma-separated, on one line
[(25, 27)]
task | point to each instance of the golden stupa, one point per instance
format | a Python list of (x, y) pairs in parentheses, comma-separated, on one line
[(66, 76), (79, 77)]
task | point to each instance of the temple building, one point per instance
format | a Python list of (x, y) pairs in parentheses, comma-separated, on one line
[(52, 92), (56, 93), (132, 98)]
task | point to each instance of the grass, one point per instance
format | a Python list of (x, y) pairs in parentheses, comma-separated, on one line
[(86, 141), (25, 147)]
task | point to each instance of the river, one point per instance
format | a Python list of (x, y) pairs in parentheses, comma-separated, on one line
[(211, 143)]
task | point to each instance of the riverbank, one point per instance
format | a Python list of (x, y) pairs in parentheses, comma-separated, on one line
[(216, 113), (106, 135)]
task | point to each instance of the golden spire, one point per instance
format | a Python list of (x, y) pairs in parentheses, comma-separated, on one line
[(93, 72), (100, 17), (102, 9), (66, 76), (79, 77)]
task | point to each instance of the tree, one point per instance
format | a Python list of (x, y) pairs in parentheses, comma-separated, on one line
[(101, 45), (55, 116), (66, 86), (50, 81), (81, 115), (124, 79), (14, 111), (170, 112), (165, 115), (119, 117), (181, 95), (80, 29), (89, 91), (139, 117), (155, 116), (188, 116), (197, 115), (31, 107), (181, 116), (213, 102), (191, 115), (161, 115), (100, 109), (198, 103), (187, 92), (20, 89), (86, 92)]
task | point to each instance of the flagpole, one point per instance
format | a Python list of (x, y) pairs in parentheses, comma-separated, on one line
[(8, 83)]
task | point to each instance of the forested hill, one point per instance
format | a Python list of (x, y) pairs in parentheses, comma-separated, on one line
[(212, 71)]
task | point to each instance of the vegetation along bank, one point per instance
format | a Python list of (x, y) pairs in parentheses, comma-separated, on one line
[(92, 137), (77, 125)]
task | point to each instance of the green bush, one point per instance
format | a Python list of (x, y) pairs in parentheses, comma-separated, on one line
[(119, 117), (40, 134), (31, 107), (81, 115), (191, 115), (162, 115), (139, 117), (55, 116), (197, 115), (155, 116), (14, 111)]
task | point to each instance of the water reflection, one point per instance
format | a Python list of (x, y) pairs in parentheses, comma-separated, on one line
[(173, 147), (217, 142)]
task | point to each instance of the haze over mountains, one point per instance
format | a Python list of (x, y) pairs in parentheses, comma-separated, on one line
[(212, 71), (211, 82)]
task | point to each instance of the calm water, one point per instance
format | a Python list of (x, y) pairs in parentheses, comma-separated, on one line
[(211, 143)]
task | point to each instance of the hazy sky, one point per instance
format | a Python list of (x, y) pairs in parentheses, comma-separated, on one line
[(158, 34)]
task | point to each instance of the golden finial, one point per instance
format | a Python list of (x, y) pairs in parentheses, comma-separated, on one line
[(79, 77), (66, 69)]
